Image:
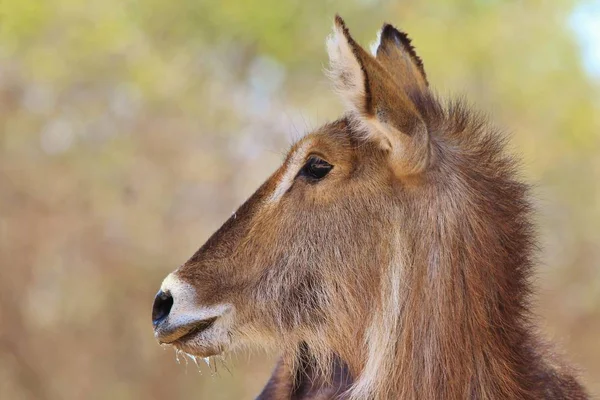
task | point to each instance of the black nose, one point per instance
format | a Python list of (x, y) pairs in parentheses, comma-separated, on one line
[(161, 307)]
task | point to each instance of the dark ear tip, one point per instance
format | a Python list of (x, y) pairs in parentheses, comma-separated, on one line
[(389, 32), (339, 21)]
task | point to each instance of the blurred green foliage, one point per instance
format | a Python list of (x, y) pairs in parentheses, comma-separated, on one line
[(130, 129)]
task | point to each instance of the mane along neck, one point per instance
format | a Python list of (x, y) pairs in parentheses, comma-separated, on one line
[(452, 316)]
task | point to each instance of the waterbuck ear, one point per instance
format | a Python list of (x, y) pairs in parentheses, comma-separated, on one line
[(395, 52), (377, 102)]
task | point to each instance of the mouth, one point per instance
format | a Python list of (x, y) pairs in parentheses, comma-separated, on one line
[(200, 339), (204, 338), (192, 333)]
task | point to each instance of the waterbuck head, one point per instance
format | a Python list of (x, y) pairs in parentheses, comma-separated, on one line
[(367, 241)]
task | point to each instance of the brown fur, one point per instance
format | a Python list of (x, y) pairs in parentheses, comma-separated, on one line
[(405, 272)]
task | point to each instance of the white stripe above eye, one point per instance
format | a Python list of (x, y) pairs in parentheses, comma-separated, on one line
[(292, 166)]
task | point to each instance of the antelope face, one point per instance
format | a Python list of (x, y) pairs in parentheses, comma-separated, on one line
[(302, 259), (305, 240)]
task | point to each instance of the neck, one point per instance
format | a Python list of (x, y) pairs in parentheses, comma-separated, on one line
[(455, 310)]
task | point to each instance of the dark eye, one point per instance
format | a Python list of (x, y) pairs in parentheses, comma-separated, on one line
[(315, 168)]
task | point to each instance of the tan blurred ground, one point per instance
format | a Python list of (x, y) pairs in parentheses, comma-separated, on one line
[(129, 130)]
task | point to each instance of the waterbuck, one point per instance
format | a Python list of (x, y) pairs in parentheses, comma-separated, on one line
[(389, 257)]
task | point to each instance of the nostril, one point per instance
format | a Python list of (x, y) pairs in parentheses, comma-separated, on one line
[(161, 307)]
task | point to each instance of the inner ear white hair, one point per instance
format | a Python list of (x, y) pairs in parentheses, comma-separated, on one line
[(375, 44), (345, 71)]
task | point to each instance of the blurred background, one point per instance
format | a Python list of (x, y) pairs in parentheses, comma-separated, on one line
[(131, 129)]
